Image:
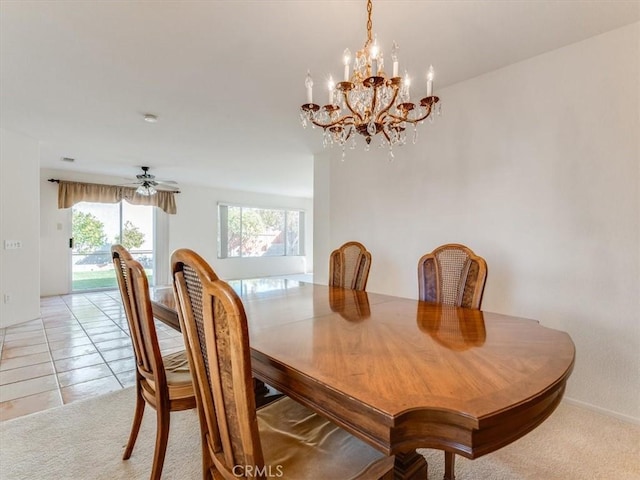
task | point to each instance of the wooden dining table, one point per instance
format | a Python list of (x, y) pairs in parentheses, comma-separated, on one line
[(398, 373)]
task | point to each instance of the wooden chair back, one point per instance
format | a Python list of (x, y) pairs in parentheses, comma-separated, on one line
[(452, 275), (214, 325), (349, 266), (134, 289)]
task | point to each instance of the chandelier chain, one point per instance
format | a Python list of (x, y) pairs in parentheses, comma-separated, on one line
[(369, 23)]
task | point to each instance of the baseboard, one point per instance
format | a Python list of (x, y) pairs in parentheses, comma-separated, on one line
[(603, 411)]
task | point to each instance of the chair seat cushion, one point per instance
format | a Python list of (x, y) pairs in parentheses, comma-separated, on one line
[(176, 366), (298, 443)]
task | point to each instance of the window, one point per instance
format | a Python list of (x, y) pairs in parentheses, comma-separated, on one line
[(259, 232), (95, 227)]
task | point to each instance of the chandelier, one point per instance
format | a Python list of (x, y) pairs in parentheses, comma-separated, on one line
[(368, 101)]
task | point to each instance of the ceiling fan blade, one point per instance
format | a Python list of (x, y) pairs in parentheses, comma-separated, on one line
[(148, 179)]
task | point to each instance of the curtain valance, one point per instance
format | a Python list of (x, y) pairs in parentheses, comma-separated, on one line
[(70, 193)]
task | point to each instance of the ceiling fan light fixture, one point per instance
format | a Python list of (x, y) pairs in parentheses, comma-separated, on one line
[(146, 190)]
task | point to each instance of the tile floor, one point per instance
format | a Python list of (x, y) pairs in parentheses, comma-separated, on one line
[(79, 348)]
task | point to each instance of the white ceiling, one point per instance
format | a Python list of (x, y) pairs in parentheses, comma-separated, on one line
[(226, 78)]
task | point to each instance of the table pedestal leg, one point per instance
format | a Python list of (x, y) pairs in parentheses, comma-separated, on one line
[(449, 466), (259, 387), (263, 394), (410, 466)]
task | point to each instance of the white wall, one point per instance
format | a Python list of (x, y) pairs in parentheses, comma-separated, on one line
[(321, 217), (19, 220), (536, 167), (194, 226), (55, 232)]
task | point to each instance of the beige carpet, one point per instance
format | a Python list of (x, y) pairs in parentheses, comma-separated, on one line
[(85, 440)]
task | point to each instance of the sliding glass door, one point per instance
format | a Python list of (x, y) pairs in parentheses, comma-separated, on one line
[(96, 226)]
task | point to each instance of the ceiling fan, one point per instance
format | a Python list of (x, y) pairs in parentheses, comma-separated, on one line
[(148, 185)]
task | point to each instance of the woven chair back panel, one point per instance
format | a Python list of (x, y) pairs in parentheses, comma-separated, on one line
[(194, 289), (194, 295), (453, 265), (226, 404), (142, 357), (352, 266)]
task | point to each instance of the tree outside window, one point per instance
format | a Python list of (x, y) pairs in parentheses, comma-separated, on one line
[(132, 236), (88, 232)]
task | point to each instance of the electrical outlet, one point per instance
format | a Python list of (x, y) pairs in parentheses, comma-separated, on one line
[(12, 244), (7, 298)]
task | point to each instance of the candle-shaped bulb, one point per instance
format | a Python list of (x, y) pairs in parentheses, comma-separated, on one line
[(375, 49), (346, 59), (373, 53), (430, 75), (406, 84), (308, 82), (346, 56), (332, 86), (394, 58)]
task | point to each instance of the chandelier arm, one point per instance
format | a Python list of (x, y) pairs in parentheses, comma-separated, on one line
[(351, 130), (401, 119), (391, 103), (428, 112), (386, 136), (348, 103), (340, 120), (412, 121), (382, 119)]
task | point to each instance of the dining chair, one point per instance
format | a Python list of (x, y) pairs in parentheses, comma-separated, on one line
[(349, 266), (162, 382), (452, 275), (283, 439)]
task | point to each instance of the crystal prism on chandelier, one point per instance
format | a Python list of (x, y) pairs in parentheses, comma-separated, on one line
[(368, 101)]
